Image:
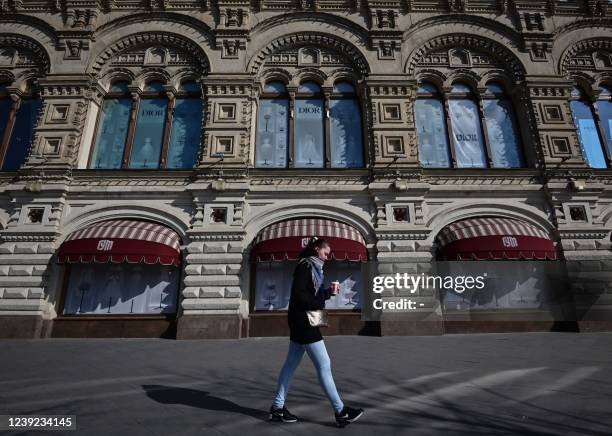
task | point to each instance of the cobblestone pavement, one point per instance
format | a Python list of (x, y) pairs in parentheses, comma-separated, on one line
[(528, 384)]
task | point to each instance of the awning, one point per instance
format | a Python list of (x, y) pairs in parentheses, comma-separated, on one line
[(494, 238), (119, 241), (284, 240)]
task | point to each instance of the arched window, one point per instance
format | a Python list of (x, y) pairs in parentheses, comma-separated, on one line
[(18, 116), (501, 128), (325, 132), (346, 131), (309, 126), (164, 131), (431, 128), (472, 144), (588, 130), (272, 127), (467, 135)]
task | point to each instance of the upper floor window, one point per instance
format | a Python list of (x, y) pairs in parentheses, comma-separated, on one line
[(273, 127), (604, 108), (154, 129), (309, 123), (18, 116), (346, 132), (591, 129), (483, 132), (500, 124), (324, 132), (432, 134), (466, 128)]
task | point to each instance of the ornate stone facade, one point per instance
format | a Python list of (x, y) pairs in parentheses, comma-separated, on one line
[(72, 52)]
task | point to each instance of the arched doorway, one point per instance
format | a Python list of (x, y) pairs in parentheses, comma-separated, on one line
[(273, 258), (121, 279)]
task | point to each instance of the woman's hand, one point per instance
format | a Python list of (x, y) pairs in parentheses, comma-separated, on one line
[(333, 290)]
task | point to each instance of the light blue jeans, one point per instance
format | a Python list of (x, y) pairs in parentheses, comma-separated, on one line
[(318, 354)]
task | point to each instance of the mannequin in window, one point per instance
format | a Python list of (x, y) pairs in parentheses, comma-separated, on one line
[(308, 149)]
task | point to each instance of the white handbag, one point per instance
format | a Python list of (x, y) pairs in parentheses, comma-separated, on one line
[(317, 318)]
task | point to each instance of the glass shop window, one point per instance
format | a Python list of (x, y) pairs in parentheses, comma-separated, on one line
[(122, 288), (273, 284)]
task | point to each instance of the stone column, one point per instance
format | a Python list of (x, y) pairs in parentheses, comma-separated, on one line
[(213, 304), (403, 247)]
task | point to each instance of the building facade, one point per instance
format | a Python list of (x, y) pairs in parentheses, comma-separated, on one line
[(213, 123)]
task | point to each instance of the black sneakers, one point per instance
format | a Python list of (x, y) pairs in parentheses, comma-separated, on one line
[(281, 415), (348, 415)]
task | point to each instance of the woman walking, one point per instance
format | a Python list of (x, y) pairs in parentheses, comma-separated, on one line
[(309, 295)]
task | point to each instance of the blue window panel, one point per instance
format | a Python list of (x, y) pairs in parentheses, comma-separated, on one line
[(275, 87), (154, 86), (432, 134), (112, 133), (23, 132), (149, 135), (588, 134), (461, 88), (344, 87), (346, 137), (503, 136), (272, 134), (185, 137), (5, 109), (605, 113), (119, 87), (495, 89), (467, 134), (309, 87), (309, 136), (427, 88), (190, 86)]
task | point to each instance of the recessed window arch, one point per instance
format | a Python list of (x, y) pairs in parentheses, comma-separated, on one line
[(18, 117), (483, 131), (157, 128), (273, 127), (591, 133)]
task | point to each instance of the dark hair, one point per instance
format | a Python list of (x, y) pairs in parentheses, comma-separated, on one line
[(310, 248)]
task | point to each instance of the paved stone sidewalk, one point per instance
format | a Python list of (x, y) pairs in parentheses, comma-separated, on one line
[(502, 384)]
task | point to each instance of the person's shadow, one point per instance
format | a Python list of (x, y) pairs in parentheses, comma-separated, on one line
[(201, 399)]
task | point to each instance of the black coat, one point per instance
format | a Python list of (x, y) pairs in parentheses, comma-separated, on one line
[(303, 298)]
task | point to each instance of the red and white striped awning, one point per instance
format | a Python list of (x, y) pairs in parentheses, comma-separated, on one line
[(494, 238), (284, 240), (119, 241)]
